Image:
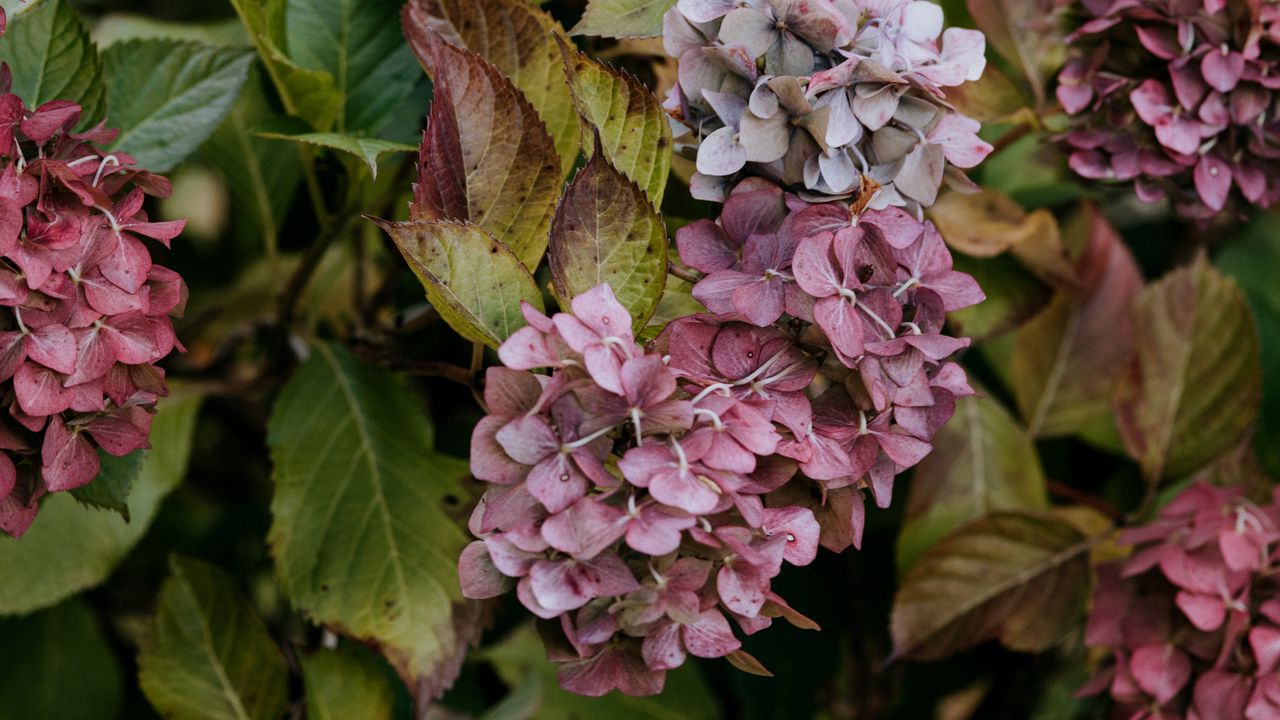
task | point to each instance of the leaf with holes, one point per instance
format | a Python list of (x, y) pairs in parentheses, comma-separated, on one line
[(605, 231), (208, 657), (1194, 383), (982, 461), (623, 18), (38, 572), (360, 537), (1066, 360), (1016, 577), (358, 44), (474, 281), (367, 150), (487, 157), (52, 57), (520, 41), (165, 113), (626, 117), (307, 94)]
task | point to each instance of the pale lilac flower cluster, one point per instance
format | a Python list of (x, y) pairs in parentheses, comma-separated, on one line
[(87, 313), (1192, 618), (1179, 98), (830, 98)]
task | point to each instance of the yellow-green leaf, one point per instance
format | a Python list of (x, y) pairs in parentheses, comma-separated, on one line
[(473, 280), (605, 231), (349, 682), (628, 119), (623, 18), (519, 40), (1195, 380), (307, 94)]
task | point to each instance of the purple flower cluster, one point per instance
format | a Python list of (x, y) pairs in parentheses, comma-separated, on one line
[(1192, 618), (88, 312), (1179, 97), (830, 98), (647, 497)]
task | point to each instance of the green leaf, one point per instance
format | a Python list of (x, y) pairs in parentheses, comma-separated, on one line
[(345, 683), (1019, 578), (54, 650), (52, 58), (1013, 296), (366, 149), (1022, 32), (982, 461), (1195, 381), (463, 175), (518, 40), (359, 45), (261, 179), (1067, 359), (307, 94), (473, 280), (360, 539), (605, 231), (520, 656), (110, 490), (627, 118), (623, 18), (117, 27), (208, 656), (37, 569), (1250, 258), (165, 112)]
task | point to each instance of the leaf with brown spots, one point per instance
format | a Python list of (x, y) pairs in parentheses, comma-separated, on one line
[(605, 231)]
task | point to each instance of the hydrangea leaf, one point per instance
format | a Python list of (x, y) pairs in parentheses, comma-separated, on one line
[(472, 279), (208, 656), (627, 118), (990, 223), (1066, 360), (518, 40), (261, 179), (519, 659), (110, 490), (56, 646), (39, 572), (487, 151), (52, 57), (1249, 259), (623, 18), (1022, 33), (360, 538), (359, 45), (307, 94), (166, 112), (605, 231), (348, 682), (366, 149), (982, 461), (1017, 577), (1013, 296), (1194, 383)]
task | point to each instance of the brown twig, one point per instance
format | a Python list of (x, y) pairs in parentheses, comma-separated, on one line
[(1010, 138), (683, 273)]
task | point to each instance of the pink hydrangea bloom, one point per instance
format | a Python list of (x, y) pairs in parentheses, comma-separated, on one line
[(1175, 97), (86, 314), (832, 98), (1191, 620)]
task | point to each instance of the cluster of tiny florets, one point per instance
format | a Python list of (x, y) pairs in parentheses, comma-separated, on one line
[(1191, 621), (1179, 98), (86, 313), (825, 97)]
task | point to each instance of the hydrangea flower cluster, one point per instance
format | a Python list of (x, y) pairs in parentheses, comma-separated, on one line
[(1192, 618), (647, 497), (88, 312), (826, 97), (1179, 97)]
